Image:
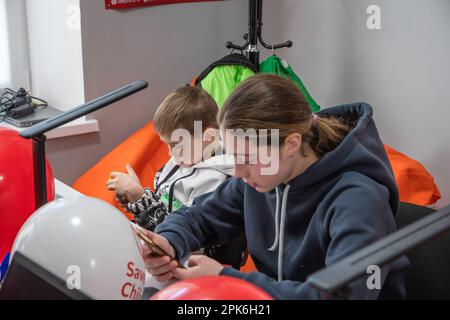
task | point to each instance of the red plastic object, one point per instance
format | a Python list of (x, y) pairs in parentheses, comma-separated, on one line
[(114, 4), (212, 288), (17, 201)]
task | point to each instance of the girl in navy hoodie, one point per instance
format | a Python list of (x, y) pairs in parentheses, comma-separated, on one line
[(332, 193)]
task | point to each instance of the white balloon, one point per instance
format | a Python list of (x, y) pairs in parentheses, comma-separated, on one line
[(87, 243)]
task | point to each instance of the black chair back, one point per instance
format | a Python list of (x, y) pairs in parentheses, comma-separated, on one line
[(428, 276)]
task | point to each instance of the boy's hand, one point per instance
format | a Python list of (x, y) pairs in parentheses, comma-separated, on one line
[(126, 185), (161, 268), (199, 266)]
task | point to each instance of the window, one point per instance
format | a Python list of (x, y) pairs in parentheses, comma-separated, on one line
[(14, 59), (5, 77)]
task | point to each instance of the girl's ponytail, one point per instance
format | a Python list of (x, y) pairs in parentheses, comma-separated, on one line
[(325, 134)]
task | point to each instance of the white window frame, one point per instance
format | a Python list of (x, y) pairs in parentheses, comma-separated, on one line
[(20, 65), (5, 70), (19, 62)]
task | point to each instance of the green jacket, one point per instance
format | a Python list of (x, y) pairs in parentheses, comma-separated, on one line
[(223, 76), (280, 67)]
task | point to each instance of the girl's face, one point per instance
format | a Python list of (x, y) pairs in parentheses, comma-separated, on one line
[(262, 168)]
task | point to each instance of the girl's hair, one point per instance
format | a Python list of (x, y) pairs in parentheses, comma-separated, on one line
[(181, 108), (269, 102)]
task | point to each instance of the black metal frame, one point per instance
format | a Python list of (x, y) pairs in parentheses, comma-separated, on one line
[(37, 132), (255, 34), (336, 278)]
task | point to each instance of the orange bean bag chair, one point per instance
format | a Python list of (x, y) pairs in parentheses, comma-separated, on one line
[(143, 150), (414, 183)]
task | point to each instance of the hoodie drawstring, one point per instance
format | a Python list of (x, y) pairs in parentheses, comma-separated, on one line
[(277, 224), (279, 230)]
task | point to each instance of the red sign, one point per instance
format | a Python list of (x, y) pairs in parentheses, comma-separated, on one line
[(125, 4)]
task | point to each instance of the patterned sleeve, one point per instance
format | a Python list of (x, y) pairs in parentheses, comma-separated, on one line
[(149, 210)]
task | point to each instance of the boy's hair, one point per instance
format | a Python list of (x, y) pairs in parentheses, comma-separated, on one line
[(181, 108)]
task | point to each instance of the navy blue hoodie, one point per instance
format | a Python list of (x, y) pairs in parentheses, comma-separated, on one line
[(340, 204)]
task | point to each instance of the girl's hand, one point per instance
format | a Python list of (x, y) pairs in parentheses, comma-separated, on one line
[(161, 268), (199, 266), (126, 185)]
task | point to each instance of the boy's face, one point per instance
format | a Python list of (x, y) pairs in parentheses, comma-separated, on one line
[(179, 150), (187, 150)]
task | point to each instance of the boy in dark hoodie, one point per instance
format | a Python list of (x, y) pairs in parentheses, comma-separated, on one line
[(332, 193)]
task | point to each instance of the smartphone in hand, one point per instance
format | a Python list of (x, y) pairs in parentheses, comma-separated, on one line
[(155, 248)]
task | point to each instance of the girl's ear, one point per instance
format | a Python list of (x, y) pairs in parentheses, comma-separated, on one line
[(292, 144)]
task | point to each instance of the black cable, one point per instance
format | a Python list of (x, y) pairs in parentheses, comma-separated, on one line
[(7, 98), (5, 104), (8, 102), (43, 103)]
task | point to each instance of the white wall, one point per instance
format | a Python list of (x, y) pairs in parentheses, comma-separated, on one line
[(165, 45), (402, 70), (54, 35)]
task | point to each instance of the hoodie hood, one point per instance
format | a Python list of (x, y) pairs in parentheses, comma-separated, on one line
[(222, 163), (179, 186), (361, 151)]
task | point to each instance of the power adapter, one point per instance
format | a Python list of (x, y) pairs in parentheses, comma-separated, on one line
[(22, 110)]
